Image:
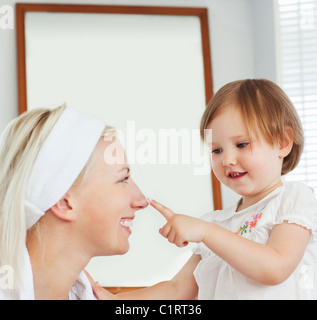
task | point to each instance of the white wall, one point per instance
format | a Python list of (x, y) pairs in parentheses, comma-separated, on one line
[(230, 32), (231, 38), (242, 46), (264, 39)]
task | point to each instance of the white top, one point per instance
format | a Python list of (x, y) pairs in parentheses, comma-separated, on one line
[(81, 289), (293, 202)]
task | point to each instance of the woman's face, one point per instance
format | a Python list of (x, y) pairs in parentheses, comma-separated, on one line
[(107, 201)]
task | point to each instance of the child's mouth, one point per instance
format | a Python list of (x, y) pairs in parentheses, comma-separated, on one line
[(236, 175)]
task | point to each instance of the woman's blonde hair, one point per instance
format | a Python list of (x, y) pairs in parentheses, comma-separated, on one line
[(19, 147), (266, 109)]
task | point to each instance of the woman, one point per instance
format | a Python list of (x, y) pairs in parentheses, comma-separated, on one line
[(60, 202)]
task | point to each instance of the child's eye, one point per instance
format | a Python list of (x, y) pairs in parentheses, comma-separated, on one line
[(216, 151), (242, 145)]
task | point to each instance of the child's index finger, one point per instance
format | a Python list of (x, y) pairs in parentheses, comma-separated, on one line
[(166, 212)]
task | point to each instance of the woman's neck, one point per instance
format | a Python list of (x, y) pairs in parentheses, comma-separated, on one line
[(55, 262)]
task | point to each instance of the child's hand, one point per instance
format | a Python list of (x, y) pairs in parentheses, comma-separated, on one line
[(180, 229), (99, 292)]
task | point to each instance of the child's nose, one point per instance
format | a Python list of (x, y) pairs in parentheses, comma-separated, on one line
[(229, 159)]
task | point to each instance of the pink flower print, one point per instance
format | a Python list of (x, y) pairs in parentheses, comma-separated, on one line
[(253, 223), (249, 226)]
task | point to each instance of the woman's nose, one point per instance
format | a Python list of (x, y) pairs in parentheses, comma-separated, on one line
[(138, 200)]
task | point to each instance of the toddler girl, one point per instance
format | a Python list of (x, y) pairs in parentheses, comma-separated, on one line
[(265, 246)]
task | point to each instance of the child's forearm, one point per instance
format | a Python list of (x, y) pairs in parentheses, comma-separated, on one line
[(269, 264), (165, 290), (183, 286), (263, 263), (161, 291)]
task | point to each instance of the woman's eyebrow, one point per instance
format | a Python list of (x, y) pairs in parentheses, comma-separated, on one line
[(124, 168)]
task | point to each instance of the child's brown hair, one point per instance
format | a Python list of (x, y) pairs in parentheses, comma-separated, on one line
[(266, 109)]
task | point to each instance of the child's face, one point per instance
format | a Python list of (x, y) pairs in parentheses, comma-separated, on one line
[(247, 165)]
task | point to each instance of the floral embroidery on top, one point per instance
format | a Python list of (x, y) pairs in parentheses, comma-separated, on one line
[(250, 225)]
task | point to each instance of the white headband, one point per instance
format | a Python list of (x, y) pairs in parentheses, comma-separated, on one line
[(61, 159)]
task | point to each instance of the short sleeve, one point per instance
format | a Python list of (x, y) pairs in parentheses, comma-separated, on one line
[(197, 249), (298, 205)]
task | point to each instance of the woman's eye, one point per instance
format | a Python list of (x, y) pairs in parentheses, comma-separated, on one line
[(242, 145), (125, 179)]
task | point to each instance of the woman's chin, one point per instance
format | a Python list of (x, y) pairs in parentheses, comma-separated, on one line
[(123, 249)]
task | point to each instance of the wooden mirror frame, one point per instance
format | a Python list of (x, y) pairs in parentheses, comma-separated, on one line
[(22, 8)]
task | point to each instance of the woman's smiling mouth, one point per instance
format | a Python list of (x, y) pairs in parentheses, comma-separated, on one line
[(127, 223)]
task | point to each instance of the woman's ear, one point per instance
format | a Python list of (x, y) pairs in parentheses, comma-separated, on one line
[(286, 144), (64, 210)]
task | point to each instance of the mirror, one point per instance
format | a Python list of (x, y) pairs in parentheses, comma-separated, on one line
[(147, 72)]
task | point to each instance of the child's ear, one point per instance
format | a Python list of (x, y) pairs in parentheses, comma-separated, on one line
[(287, 144), (64, 210)]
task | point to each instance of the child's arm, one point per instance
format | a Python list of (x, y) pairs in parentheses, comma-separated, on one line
[(182, 287), (269, 264)]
